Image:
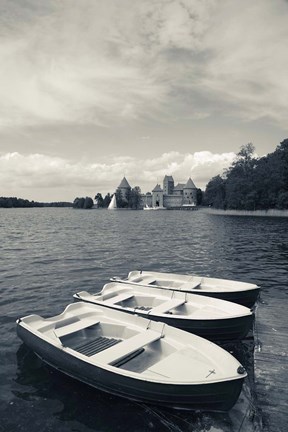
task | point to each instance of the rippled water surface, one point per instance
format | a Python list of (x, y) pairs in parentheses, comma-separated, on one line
[(49, 254)]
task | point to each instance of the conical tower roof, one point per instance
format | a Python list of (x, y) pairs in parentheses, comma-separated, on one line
[(157, 188), (190, 184), (124, 184)]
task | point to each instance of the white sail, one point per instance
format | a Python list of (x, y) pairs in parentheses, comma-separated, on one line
[(113, 203)]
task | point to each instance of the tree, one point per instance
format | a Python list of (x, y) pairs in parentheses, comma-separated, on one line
[(106, 200), (214, 195), (246, 152), (199, 197), (121, 203), (99, 200), (88, 203), (282, 201), (78, 203), (282, 152), (134, 198), (83, 203), (239, 180)]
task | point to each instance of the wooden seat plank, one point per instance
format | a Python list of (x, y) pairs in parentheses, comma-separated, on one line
[(119, 298), (75, 326), (168, 305)]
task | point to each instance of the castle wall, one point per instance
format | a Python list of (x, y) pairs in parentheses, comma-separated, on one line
[(146, 199), (157, 199), (178, 192), (190, 196), (172, 200)]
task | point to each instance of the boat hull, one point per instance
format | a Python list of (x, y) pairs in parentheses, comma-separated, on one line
[(218, 396), (245, 298), (214, 330)]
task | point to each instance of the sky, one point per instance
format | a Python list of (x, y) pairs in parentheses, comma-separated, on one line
[(93, 90)]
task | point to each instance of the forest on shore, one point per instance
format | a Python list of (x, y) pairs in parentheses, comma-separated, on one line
[(251, 183)]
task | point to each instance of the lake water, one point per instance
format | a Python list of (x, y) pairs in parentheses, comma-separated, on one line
[(49, 254)]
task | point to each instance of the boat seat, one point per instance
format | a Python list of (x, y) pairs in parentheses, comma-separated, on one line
[(166, 366), (148, 280), (195, 279), (168, 305), (74, 326), (190, 285), (119, 298), (114, 354)]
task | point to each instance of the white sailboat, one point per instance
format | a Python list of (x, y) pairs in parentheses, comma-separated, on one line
[(146, 207), (113, 203)]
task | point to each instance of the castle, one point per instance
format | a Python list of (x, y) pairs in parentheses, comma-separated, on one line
[(183, 195)]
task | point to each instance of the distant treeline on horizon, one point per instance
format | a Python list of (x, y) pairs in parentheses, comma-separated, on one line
[(13, 202), (249, 184)]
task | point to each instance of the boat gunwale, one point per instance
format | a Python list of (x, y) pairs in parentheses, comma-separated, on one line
[(192, 290)]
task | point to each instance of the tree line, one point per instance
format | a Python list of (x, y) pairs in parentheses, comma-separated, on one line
[(251, 183), (12, 202)]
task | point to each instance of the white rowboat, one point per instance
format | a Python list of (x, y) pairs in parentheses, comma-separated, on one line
[(242, 293), (205, 316), (135, 358)]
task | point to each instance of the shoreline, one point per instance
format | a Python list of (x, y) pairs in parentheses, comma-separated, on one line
[(259, 213)]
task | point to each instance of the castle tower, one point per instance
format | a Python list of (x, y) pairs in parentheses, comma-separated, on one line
[(124, 187), (157, 196), (168, 185), (189, 193)]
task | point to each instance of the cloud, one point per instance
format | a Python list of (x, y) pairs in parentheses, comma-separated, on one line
[(46, 178), (246, 70), (112, 62)]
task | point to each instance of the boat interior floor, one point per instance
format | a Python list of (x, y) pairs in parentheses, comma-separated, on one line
[(89, 343), (94, 346)]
